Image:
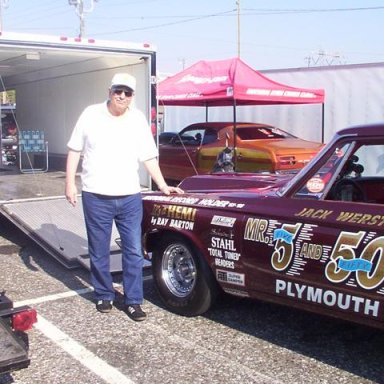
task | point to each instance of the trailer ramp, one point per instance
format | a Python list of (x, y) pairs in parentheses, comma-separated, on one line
[(58, 228)]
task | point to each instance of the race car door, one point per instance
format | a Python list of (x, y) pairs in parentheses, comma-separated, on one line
[(321, 245)]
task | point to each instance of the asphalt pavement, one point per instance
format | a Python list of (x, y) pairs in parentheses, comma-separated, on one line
[(238, 341)]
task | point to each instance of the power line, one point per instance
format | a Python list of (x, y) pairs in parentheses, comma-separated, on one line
[(42, 12), (250, 12), (312, 10), (166, 24)]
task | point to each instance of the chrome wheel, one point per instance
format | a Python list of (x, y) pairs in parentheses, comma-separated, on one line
[(178, 270), (182, 276)]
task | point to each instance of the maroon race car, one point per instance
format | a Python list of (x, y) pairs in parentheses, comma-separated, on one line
[(314, 240)]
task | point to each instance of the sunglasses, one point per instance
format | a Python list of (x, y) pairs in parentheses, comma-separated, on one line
[(118, 92)]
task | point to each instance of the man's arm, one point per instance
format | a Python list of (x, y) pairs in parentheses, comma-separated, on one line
[(154, 170), (73, 159)]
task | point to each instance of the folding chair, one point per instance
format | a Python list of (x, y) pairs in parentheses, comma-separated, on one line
[(32, 149)]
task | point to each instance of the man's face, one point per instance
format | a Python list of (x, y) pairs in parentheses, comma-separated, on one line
[(120, 99)]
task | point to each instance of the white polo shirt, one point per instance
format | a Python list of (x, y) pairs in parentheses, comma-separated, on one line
[(112, 147)]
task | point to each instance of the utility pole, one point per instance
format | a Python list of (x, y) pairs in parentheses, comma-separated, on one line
[(182, 62), (238, 28), (80, 10), (3, 4)]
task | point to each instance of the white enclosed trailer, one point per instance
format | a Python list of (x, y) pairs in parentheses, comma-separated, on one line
[(353, 96), (54, 79)]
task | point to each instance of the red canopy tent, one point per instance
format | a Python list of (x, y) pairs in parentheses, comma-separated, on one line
[(220, 83), (230, 82)]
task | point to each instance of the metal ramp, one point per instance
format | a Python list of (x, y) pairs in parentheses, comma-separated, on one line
[(58, 228)]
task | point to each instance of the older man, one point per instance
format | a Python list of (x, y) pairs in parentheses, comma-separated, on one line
[(111, 188)]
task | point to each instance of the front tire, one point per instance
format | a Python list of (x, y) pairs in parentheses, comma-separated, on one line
[(182, 277)]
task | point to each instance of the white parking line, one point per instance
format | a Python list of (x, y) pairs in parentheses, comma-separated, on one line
[(108, 373), (98, 366), (64, 295), (56, 296)]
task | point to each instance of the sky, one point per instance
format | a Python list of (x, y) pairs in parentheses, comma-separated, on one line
[(266, 34)]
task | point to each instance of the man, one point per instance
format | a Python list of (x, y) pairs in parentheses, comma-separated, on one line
[(114, 137)]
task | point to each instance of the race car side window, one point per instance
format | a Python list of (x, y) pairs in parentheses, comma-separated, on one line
[(210, 136), (321, 181), (189, 137), (371, 158), (361, 178)]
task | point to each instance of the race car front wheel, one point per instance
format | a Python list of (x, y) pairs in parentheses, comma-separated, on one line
[(182, 277)]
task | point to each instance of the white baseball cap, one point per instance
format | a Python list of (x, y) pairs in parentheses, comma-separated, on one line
[(124, 80)]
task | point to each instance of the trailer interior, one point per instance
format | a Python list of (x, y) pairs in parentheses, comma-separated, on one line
[(54, 79)]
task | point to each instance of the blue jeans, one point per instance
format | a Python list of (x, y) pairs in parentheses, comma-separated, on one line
[(99, 213)]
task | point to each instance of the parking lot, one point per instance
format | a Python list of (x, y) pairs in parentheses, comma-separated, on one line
[(238, 341)]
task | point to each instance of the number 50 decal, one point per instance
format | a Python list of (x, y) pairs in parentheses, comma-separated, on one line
[(369, 267)]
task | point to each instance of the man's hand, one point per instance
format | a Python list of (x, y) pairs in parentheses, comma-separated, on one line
[(71, 193), (167, 190)]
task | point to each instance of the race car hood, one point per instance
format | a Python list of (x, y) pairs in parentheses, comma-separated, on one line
[(231, 190), (223, 182)]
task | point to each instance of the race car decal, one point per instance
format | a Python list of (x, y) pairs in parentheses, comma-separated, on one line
[(219, 203), (294, 245), (315, 185), (222, 233), (284, 247), (173, 216), (224, 263), (255, 230), (174, 199), (367, 267), (314, 213), (361, 218), (328, 297), (230, 277), (222, 244), (194, 200), (224, 252), (223, 221), (348, 217)]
